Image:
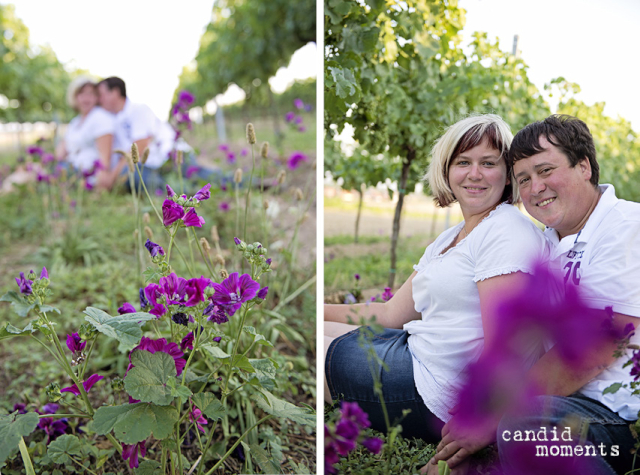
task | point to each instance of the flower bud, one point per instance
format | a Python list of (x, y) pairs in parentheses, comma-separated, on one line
[(298, 194), (32, 275), (53, 392), (214, 234), (145, 155), (205, 245), (223, 273), (179, 157), (251, 134), (281, 177), (208, 292), (237, 177), (146, 219), (264, 151), (219, 260), (265, 204), (148, 232), (135, 156), (117, 384), (87, 332)]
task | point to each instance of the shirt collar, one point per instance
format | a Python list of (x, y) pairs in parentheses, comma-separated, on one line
[(607, 201)]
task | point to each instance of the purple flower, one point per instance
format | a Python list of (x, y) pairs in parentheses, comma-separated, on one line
[(298, 103), (237, 241), (302, 128), (635, 365), (180, 318), (330, 452), (262, 293), (224, 187), (191, 170), (130, 452), (75, 344), (153, 291), (203, 193), (185, 97), (21, 408), (356, 276), (268, 261), (352, 412), (187, 342), (244, 152), (153, 248), (192, 219), (33, 150), (289, 116), (87, 385), (153, 346), (373, 444), (216, 314), (298, 120), (234, 291), (231, 157), (170, 191), (42, 177), (196, 417), (52, 427), (143, 300), (126, 308), (386, 295), (24, 284), (223, 147), (295, 159), (171, 212), (44, 274), (180, 291), (223, 206), (217, 339)]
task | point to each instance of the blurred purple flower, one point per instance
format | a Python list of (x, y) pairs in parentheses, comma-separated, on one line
[(203, 193), (223, 206), (75, 343), (373, 444), (47, 158), (298, 103), (298, 120), (153, 292), (21, 408), (153, 248), (387, 294), (143, 300), (170, 191), (223, 147), (237, 241), (87, 385), (185, 97), (262, 293), (244, 152), (231, 157), (356, 276), (180, 318), (34, 150), (24, 284), (295, 159), (289, 116), (196, 417), (44, 274), (215, 313), (130, 453), (126, 308), (187, 342), (635, 365), (171, 212), (302, 128), (191, 170), (192, 219)]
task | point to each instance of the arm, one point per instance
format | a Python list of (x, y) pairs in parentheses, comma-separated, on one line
[(61, 151), (142, 144), (105, 178), (392, 314)]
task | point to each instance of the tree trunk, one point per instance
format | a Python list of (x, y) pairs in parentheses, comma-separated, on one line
[(359, 212), (406, 165)]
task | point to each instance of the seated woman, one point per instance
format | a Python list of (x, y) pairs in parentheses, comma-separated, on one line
[(439, 321), (89, 135)]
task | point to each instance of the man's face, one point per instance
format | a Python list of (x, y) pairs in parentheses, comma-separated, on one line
[(552, 192), (108, 97)]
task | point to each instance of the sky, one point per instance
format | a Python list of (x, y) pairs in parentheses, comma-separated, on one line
[(144, 42), (593, 43)]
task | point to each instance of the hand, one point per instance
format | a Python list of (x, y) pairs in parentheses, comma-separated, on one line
[(456, 445)]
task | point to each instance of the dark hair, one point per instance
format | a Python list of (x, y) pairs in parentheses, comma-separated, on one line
[(568, 133), (113, 83)]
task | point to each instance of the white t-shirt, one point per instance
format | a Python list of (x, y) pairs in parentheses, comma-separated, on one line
[(450, 335), (603, 261), (80, 139), (136, 122)]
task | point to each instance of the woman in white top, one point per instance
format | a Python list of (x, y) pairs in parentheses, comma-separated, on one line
[(88, 141), (441, 318)]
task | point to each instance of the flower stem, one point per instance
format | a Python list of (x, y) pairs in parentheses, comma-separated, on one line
[(193, 261), (173, 235), (235, 351), (248, 199), (26, 459), (202, 253), (233, 447), (179, 453), (86, 360), (61, 415)]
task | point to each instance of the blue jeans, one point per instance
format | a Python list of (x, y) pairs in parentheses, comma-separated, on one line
[(349, 377), (604, 451)]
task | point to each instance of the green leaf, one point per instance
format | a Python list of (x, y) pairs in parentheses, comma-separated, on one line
[(280, 408), (132, 423), (215, 351), (12, 428), (613, 388), (345, 82), (8, 330), (178, 390), (242, 362), (124, 328), (263, 459), (147, 381), (149, 467), (209, 404), (259, 339), (265, 373), (18, 303), (443, 468), (151, 275), (48, 308), (64, 446)]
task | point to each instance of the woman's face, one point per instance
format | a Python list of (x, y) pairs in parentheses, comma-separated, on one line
[(477, 178), (87, 98)]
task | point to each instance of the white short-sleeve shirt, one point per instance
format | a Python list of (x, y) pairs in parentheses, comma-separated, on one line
[(136, 122), (450, 335), (603, 262), (81, 135)]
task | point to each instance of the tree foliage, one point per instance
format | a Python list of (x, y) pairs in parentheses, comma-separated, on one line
[(246, 43), (33, 82)]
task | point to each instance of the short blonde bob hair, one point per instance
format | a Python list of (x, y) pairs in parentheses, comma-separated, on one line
[(460, 137), (75, 87)]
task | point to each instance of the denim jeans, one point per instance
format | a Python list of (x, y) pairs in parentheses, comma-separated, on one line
[(349, 377), (607, 435)]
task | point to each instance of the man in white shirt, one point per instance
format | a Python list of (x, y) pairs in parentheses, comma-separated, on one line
[(595, 242)]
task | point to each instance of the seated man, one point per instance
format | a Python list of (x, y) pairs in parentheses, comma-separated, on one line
[(595, 242)]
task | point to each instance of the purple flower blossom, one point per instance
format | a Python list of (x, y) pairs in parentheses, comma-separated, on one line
[(24, 284), (191, 170), (268, 261), (153, 248), (187, 342), (203, 193), (47, 158), (126, 308), (289, 116), (244, 152), (192, 219), (153, 346), (237, 241), (180, 318), (44, 274), (216, 314), (635, 365), (223, 206), (223, 147), (234, 291), (387, 294), (352, 412), (224, 187), (21, 408), (87, 385), (34, 150), (217, 339), (52, 427), (196, 417), (143, 300), (75, 343), (185, 97), (130, 453), (302, 128), (373, 444), (153, 292), (295, 159), (298, 103), (231, 157), (262, 293), (170, 192), (356, 276), (180, 291), (298, 120), (171, 212)]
